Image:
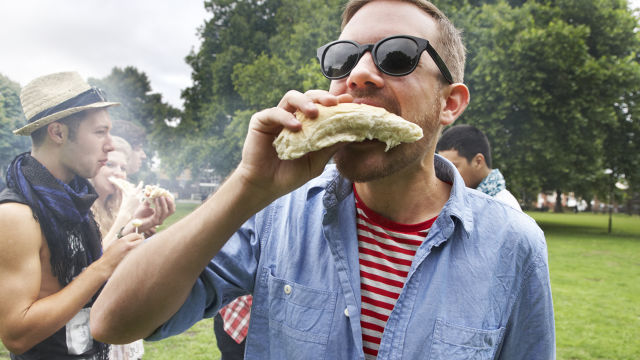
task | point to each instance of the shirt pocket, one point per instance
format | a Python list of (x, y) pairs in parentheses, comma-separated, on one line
[(300, 318), (454, 342)]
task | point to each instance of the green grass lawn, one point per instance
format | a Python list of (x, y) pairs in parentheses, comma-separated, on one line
[(595, 279)]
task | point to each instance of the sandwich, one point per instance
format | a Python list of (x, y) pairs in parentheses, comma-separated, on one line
[(345, 122)]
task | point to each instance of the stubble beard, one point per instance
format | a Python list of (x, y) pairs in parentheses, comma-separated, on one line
[(374, 164)]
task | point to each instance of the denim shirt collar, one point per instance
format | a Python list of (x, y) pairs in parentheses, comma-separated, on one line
[(455, 211)]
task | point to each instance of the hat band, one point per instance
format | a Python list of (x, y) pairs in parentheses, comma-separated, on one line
[(90, 96)]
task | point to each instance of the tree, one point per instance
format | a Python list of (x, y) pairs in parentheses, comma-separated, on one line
[(11, 118), (253, 51), (545, 79), (139, 103)]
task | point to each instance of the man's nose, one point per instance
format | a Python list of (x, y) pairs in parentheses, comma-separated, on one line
[(365, 74), (108, 145)]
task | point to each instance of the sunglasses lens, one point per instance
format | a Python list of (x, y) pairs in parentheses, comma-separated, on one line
[(339, 59), (398, 56)]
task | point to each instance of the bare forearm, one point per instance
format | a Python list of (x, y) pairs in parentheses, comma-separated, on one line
[(47, 315), (152, 283), (118, 224)]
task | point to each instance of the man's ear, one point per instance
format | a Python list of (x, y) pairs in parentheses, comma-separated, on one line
[(57, 132), (478, 161), (455, 102)]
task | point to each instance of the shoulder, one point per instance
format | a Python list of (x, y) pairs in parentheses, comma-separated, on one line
[(18, 226), (506, 197), (510, 228)]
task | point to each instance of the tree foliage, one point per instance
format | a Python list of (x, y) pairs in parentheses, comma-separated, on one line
[(554, 84), (11, 118), (252, 52), (549, 80)]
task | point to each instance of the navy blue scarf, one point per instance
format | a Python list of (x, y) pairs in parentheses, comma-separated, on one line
[(63, 212)]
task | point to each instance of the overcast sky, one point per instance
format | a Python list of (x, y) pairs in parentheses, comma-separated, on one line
[(39, 37)]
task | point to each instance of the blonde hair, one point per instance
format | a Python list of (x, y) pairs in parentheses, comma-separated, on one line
[(106, 214), (448, 44), (121, 145)]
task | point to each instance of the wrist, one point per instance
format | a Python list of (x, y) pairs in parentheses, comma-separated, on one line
[(101, 269), (251, 188)]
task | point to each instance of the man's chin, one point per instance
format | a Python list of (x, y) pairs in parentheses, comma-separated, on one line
[(360, 168)]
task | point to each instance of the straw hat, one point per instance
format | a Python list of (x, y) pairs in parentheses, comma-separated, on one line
[(56, 96)]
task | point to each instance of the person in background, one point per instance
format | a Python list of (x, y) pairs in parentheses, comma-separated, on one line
[(381, 255), (114, 209), (469, 150), (136, 136), (51, 259), (231, 327)]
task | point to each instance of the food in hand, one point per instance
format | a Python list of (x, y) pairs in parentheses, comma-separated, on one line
[(122, 184), (346, 122), (151, 192), (136, 224)]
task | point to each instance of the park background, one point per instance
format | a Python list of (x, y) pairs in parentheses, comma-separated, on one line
[(554, 84)]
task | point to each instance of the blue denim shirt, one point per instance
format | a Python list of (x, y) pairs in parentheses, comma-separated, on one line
[(478, 287)]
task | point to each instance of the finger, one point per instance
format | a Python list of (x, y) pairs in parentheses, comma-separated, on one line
[(161, 209), (134, 244), (327, 99), (171, 206), (343, 98), (271, 121), (295, 100), (131, 237)]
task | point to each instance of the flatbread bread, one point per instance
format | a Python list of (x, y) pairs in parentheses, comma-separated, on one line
[(122, 184), (346, 122), (149, 192)]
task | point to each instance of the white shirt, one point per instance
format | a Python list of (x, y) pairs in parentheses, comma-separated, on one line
[(506, 197)]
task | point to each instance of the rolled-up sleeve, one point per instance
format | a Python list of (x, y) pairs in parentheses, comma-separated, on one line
[(231, 273)]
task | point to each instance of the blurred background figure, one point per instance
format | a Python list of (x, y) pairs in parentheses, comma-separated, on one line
[(114, 209), (108, 205), (231, 327), (136, 136), (469, 150)]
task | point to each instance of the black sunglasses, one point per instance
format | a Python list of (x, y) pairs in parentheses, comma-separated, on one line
[(396, 56)]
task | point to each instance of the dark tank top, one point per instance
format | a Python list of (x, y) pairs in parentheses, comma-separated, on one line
[(73, 341)]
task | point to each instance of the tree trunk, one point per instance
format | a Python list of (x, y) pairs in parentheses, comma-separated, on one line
[(558, 207)]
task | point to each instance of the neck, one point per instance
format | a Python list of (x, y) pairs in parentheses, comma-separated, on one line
[(50, 159), (409, 196), (482, 175)]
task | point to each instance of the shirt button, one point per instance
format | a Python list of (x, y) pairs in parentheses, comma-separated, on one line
[(346, 312), (287, 289)]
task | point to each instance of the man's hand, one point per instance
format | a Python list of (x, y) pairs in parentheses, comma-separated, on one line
[(164, 206), (131, 200), (153, 282), (116, 251), (260, 166)]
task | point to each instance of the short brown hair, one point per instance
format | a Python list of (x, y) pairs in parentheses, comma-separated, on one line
[(72, 122), (449, 43)]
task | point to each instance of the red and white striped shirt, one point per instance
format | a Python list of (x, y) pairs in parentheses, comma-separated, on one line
[(386, 250)]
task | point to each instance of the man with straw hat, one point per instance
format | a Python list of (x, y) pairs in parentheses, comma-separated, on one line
[(51, 260)]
